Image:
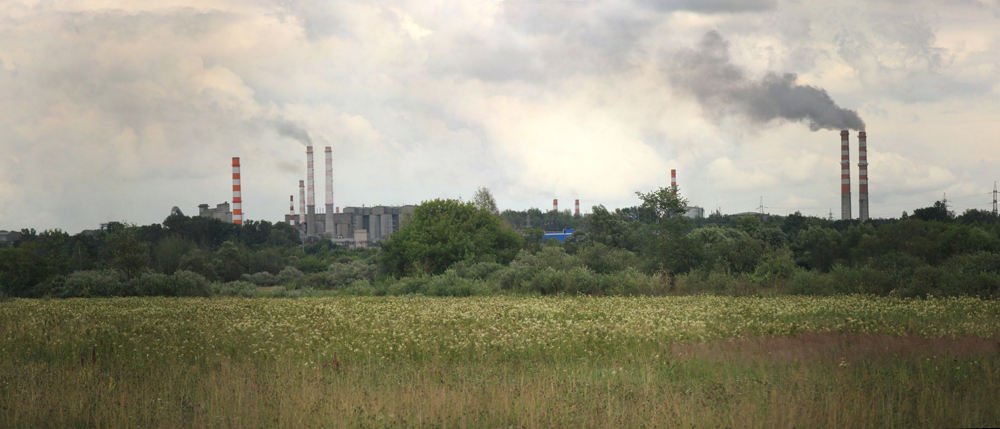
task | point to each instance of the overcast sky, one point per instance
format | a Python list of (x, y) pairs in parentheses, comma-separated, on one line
[(119, 110)]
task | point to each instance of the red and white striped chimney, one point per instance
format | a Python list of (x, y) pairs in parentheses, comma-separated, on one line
[(237, 198), (863, 175), (310, 194), (291, 209), (302, 201), (673, 180), (845, 175), (329, 191), (555, 205), (577, 206)]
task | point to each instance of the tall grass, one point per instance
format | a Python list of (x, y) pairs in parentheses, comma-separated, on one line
[(498, 362)]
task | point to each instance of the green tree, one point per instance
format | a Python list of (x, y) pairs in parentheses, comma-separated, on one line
[(483, 199), (939, 212), (444, 232), (671, 248), (128, 255), (818, 247)]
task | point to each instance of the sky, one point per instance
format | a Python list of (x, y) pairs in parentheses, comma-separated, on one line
[(120, 110)]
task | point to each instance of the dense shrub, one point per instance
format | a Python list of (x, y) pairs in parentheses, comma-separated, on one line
[(155, 284), (289, 275), (96, 283), (263, 278), (237, 288), (187, 283)]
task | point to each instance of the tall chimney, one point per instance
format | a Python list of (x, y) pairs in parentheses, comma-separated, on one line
[(863, 175), (845, 176), (310, 194), (291, 209), (673, 180), (329, 191), (555, 205), (302, 201), (577, 206), (237, 199)]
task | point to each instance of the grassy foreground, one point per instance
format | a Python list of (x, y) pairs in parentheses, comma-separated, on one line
[(848, 361)]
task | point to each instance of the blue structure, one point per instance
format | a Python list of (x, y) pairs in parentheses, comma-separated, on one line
[(561, 236)]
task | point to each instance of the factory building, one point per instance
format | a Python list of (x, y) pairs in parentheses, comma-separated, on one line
[(356, 226), (221, 212)]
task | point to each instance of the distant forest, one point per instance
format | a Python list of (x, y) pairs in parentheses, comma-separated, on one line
[(455, 248)]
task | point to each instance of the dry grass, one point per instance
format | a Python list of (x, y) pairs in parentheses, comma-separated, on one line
[(810, 379)]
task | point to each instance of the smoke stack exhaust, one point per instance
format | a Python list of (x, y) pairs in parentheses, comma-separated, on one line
[(555, 205), (291, 209), (845, 175), (577, 206), (237, 199), (863, 175), (302, 201), (329, 190), (310, 194)]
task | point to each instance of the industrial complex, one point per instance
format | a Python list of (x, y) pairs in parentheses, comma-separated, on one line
[(363, 226)]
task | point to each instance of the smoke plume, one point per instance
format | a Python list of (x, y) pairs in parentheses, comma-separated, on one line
[(292, 130), (723, 88)]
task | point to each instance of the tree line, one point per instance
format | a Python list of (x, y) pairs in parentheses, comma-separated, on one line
[(463, 248)]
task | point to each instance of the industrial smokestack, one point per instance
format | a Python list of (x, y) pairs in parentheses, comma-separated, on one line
[(310, 194), (291, 209), (302, 201), (555, 205), (338, 209), (845, 175), (329, 190), (577, 206), (863, 175), (237, 199), (673, 180)]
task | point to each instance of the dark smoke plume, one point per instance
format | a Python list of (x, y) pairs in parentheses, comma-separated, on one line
[(290, 129), (723, 88)]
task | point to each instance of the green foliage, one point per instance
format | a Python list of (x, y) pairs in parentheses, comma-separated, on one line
[(443, 232), (128, 254), (237, 288), (818, 248), (938, 212), (86, 284), (311, 264)]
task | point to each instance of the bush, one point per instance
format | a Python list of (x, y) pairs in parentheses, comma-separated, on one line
[(479, 270), (96, 283), (187, 283), (154, 284), (605, 260), (359, 288), (811, 283), (311, 264), (237, 288), (289, 275), (262, 278)]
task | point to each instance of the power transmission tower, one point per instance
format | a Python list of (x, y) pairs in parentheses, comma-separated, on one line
[(994, 199)]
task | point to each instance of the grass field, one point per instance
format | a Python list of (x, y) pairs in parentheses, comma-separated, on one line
[(699, 361)]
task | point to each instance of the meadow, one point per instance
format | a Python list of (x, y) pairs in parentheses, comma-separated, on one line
[(412, 361)]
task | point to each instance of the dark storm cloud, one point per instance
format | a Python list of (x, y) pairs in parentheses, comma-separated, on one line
[(724, 88)]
